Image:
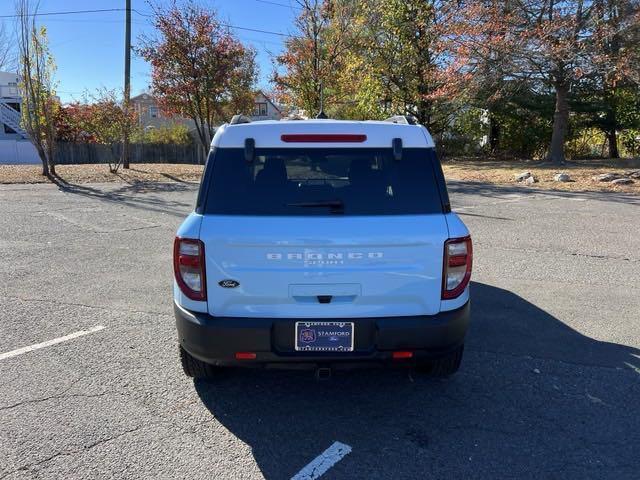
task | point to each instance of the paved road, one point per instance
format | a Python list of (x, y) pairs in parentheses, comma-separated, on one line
[(549, 386)]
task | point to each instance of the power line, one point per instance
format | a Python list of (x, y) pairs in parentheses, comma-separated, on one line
[(111, 10), (236, 27), (278, 4), (69, 12)]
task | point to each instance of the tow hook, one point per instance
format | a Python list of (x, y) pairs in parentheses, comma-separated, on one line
[(323, 373)]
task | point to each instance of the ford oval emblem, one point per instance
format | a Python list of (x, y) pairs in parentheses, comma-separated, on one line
[(228, 283)]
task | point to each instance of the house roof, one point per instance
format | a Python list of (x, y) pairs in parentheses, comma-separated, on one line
[(269, 100), (143, 96), (148, 96)]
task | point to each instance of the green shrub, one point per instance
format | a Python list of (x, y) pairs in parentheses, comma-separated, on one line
[(170, 134), (630, 139), (467, 134), (585, 143)]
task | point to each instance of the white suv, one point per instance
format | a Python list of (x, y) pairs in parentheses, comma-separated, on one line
[(322, 242)]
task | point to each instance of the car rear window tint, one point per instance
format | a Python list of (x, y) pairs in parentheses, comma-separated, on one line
[(304, 182)]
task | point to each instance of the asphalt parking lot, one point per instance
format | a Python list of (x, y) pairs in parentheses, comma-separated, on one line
[(549, 387)]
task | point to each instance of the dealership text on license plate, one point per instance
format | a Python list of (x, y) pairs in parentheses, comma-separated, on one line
[(324, 336)]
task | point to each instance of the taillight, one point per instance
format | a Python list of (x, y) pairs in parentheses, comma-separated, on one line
[(458, 256), (188, 267), (402, 354), (323, 138)]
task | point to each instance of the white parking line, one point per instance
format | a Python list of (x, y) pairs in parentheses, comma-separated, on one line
[(48, 343), (323, 462)]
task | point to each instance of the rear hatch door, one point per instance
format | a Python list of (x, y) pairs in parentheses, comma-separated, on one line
[(325, 267), (323, 233)]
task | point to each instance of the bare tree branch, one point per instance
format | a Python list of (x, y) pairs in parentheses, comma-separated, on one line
[(7, 52)]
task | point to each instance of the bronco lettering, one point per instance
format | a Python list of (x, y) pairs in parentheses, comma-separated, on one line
[(315, 256)]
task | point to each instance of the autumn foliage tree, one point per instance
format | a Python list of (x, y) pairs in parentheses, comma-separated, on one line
[(199, 69), (100, 119), (611, 94), (39, 101), (543, 68), (372, 58), (552, 45), (306, 74), (403, 55)]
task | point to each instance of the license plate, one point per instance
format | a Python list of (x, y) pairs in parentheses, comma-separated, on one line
[(324, 336)]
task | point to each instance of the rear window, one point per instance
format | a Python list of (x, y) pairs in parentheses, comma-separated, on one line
[(292, 181)]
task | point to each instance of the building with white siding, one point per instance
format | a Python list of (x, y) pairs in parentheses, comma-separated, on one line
[(15, 146), (10, 102)]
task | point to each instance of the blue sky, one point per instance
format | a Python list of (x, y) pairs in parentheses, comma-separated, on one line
[(89, 48)]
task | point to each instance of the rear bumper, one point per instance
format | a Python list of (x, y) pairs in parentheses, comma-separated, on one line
[(217, 339)]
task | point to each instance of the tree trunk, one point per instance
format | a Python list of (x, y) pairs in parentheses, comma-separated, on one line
[(51, 148), (204, 153), (200, 130), (560, 124), (43, 158), (612, 137), (494, 133)]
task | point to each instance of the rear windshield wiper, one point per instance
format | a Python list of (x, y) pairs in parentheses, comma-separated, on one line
[(335, 205)]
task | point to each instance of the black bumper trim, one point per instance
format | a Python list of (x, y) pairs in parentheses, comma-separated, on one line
[(217, 339)]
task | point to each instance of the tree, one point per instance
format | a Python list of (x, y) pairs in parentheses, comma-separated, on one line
[(72, 124), (480, 37), (199, 69), (7, 54), (550, 44), (616, 40), (107, 122), (99, 120), (39, 101), (374, 58), (404, 53), (176, 134), (612, 109), (306, 75)]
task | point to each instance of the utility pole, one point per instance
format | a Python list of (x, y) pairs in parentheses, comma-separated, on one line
[(127, 84)]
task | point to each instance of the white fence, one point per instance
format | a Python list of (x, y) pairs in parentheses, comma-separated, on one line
[(16, 152)]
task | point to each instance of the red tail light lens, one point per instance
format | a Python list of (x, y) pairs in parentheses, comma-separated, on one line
[(245, 356), (458, 259), (188, 267), (402, 354)]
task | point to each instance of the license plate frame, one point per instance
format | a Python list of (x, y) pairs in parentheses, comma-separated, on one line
[(308, 336)]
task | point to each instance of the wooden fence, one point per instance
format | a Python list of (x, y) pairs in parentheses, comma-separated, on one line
[(77, 153)]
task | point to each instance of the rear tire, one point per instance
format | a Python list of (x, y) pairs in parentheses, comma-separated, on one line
[(444, 366), (195, 368)]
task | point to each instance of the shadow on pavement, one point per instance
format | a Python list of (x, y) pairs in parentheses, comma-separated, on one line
[(137, 195), (512, 410), (488, 190)]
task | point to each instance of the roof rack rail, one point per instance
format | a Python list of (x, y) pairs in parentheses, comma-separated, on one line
[(238, 119), (402, 119)]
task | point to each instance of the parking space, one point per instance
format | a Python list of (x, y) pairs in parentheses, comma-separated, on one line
[(548, 388)]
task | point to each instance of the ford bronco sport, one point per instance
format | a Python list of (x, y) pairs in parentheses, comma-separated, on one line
[(324, 243)]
